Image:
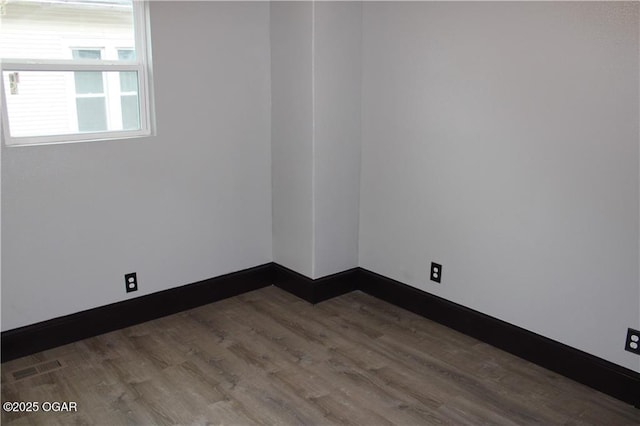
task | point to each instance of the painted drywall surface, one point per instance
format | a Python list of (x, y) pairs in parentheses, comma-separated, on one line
[(316, 135), (291, 135), (337, 99), (501, 140), (191, 203)]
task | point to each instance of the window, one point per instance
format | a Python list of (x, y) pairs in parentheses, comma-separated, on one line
[(73, 71)]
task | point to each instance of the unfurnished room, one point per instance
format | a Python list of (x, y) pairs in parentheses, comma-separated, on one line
[(320, 212)]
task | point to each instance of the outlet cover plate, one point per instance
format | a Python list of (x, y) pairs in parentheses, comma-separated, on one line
[(632, 343), (436, 272), (131, 282)]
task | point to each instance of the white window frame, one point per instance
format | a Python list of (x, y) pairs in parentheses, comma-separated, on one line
[(142, 65)]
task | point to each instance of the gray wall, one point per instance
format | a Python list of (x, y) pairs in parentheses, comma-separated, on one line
[(501, 140), (316, 80), (292, 134), (337, 142), (191, 203)]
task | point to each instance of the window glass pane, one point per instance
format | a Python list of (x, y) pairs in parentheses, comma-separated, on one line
[(45, 103), (129, 81), (87, 54), (130, 112), (126, 54), (92, 114), (89, 82), (48, 29), (41, 104)]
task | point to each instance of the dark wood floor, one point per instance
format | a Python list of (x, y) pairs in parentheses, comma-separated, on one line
[(267, 357)]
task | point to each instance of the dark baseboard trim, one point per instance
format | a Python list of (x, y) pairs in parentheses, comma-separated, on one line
[(70, 328), (315, 291), (602, 375), (592, 371)]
